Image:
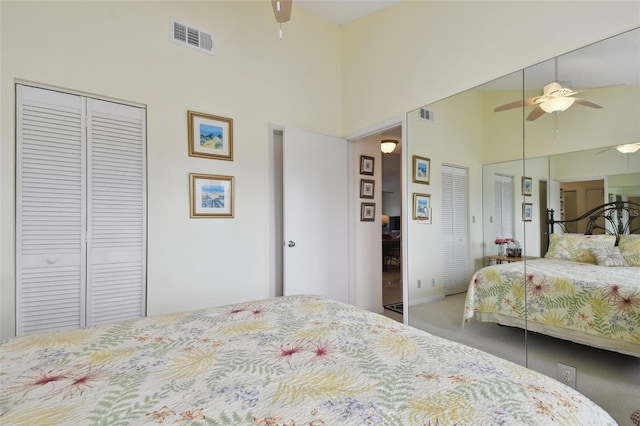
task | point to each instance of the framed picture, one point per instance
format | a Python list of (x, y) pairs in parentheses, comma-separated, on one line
[(210, 136), (211, 195), (366, 188), (421, 169), (422, 207), (366, 165), (527, 212), (367, 212), (527, 184)]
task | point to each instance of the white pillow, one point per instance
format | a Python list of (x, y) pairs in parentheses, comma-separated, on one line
[(608, 256)]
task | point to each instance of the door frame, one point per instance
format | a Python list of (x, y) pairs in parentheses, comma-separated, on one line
[(275, 211)]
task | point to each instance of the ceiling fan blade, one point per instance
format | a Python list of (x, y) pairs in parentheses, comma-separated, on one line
[(511, 105), (516, 104), (586, 103), (281, 10), (537, 112)]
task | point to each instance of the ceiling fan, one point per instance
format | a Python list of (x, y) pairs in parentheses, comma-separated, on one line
[(629, 148), (554, 98)]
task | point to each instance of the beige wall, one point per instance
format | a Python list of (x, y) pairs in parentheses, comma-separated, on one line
[(418, 52), (123, 50), (320, 77)]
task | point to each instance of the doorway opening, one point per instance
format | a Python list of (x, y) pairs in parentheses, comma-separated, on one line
[(391, 218)]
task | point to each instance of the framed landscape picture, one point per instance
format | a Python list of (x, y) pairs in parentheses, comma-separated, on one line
[(210, 136), (366, 188), (367, 212), (211, 196), (422, 207), (527, 185), (421, 169), (527, 212)]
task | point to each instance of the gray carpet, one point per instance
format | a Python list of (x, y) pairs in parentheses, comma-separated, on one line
[(610, 379)]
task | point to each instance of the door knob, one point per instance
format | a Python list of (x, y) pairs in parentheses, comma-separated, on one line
[(291, 243)]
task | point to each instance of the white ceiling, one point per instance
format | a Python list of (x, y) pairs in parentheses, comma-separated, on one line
[(343, 11)]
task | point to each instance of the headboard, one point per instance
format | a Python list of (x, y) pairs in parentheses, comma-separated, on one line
[(618, 217)]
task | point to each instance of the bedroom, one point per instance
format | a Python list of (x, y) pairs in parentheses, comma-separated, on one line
[(91, 64)]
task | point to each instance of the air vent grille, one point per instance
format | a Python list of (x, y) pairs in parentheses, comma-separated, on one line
[(192, 37), (425, 114)]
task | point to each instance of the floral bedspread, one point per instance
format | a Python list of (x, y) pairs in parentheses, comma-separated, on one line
[(594, 300), (297, 360)]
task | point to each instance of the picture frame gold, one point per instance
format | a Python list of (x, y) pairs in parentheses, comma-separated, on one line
[(211, 196), (527, 212), (421, 169), (527, 186), (210, 136), (422, 207)]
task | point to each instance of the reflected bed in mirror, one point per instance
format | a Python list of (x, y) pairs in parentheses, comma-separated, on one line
[(586, 289), (557, 151)]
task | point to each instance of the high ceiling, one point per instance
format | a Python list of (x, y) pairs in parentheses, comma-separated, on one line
[(343, 11)]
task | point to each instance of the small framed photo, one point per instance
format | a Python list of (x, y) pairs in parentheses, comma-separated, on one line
[(527, 185), (366, 188), (421, 169), (211, 195), (366, 165), (367, 212), (527, 212), (210, 136), (422, 207)]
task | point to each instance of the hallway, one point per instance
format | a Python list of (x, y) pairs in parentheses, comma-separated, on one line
[(392, 290)]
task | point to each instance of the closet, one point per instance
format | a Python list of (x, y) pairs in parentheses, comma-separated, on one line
[(80, 210), (455, 246)]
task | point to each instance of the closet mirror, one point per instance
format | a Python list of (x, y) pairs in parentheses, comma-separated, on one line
[(510, 166)]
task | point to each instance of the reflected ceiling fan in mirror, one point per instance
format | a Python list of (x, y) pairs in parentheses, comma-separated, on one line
[(554, 99), (629, 148)]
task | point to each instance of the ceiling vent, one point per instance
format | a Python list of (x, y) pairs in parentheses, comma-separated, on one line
[(192, 37), (425, 114)]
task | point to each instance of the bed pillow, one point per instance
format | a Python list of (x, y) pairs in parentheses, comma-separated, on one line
[(577, 247), (630, 249), (608, 256)]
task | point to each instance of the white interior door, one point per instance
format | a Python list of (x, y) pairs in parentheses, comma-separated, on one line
[(315, 215)]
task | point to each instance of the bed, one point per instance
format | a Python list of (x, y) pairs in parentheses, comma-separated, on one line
[(294, 360), (586, 289)]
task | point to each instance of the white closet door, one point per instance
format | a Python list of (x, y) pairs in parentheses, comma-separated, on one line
[(503, 193), (81, 209), (50, 210), (455, 249), (116, 212)]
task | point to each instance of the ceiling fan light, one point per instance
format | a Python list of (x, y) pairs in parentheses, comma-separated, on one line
[(558, 104), (388, 145), (629, 148)]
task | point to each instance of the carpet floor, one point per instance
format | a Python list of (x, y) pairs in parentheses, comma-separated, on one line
[(610, 379)]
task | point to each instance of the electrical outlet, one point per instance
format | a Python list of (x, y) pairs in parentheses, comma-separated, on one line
[(433, 282), (567, 374), (419, 283)]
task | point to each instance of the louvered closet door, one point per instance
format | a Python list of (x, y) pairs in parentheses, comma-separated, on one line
[(116, 276), (455, 247), (50, 210), (81, 209)]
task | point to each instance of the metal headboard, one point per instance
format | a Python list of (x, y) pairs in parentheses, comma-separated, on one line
[(619, 217)]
